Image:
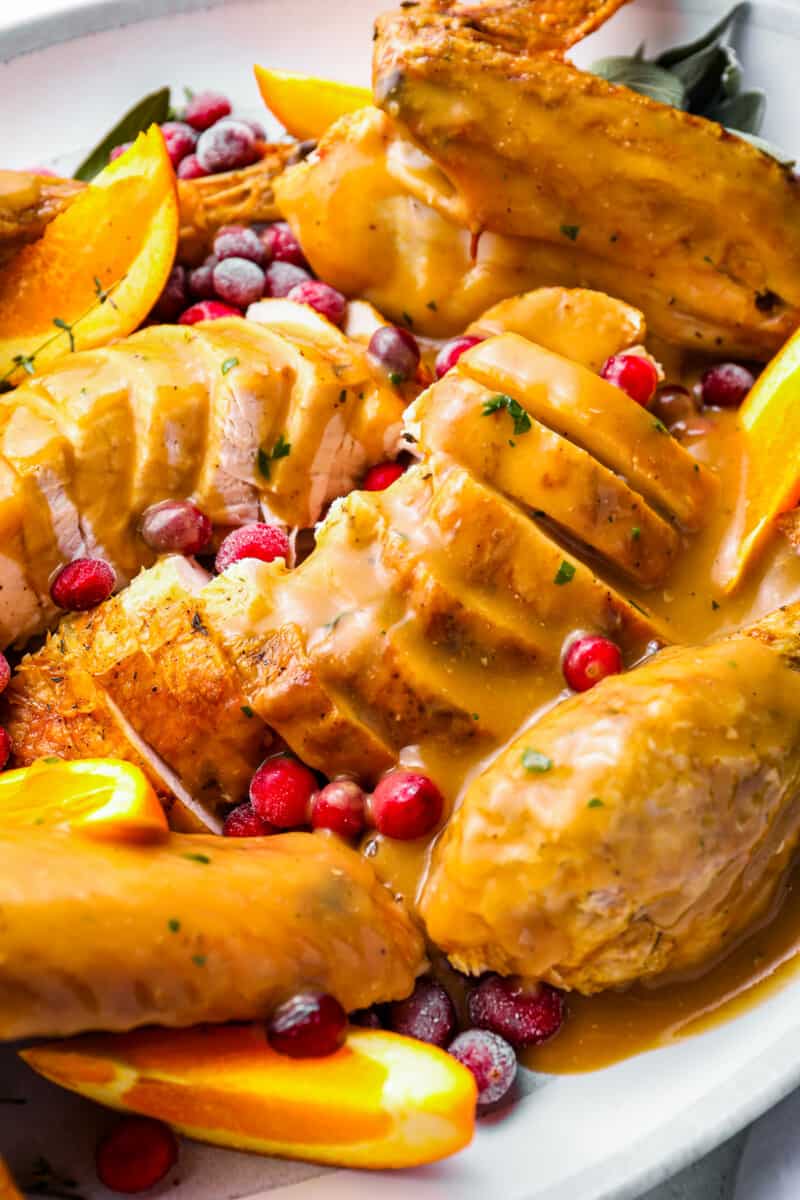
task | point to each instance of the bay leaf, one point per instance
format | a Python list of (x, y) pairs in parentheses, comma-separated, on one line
[(151, 109)]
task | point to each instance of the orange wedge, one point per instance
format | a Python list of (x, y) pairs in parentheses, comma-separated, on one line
[(381, 1101), (306, 106), (8, 1189), (99, 266), (100, 797)]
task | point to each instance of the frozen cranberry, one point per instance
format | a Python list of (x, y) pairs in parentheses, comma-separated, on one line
[(395, 350), (5, 747), (226, 146), (310, 1025), (321, 296), (282, 245), (174, 297), (135, 1155), (491, 1060), (523, 1016), (82, 584), (406, 805), (258, 540), (238, 281), (282, 277), (427, 1015), (673, 404), (208, 310), (201, 279), (244, 821), (256, 126), (180, 138), (379, 477), (451, 352), (190, 167), (205, 109), (339, 806), (633, 374), (237, 241), (589, 659), (725, 385), (5, 673), (367, 1018), (117, 151), (281, 792), (175, 527)]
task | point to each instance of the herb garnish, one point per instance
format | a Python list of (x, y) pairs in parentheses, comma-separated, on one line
[(522, 421), (565, 573), (281, 449), (535, 761), (198, 858), (152, 109), (571, 232), (229, 364), (595, 802), (173, 924), (248, 712)]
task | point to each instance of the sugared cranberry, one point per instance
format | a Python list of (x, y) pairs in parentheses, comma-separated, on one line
[(367, 1018), (208, 310), (82, 584), (135, 1155), (589, 659), (523, 1016), (427, 1015), (201, 279), (451, 352), (190, 167), (310, 1025), (174, 297), (281, 791), (5, 673), (117, 151), (672, 405), (491, 1060), (321, 296), (256, 126), (282, 245), (180, 138), (725, 385), (5, 747), (406, 805), (237, 241), (205, 109), (340, 807), (244, 821), (226, 146), (238, 281), (282, 277), (381, 476), (266, 542), (633, 374), (396, 350), (175, 527)]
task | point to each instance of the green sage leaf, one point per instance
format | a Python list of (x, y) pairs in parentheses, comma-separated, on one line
[(765, 147), (744, 113), (643, 77), (151, 109), (678, 54)]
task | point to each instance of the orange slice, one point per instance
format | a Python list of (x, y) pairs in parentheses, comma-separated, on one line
[(8, 1189), (100, 797), (306, 106), (381, 1101), (99, 266)]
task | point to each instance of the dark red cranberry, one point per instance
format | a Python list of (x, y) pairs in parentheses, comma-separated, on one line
[(340, 806), (673, 405), (281, 792), (726, 385), (266, 542), (633, 374), (491, 1060), (367, 1018), (406, 805), (5, 673), (208, 310), (175, 527), (282, 277), (322, 297), (427, 1014), (237, 241), (588, 659), (190, 167), (5, 747), (117, 151), (381, 476), (310, 1025), (201, 279), (205, 109), (244, 821), (396, 351), (282, 245), (257, 128), (174, 297), (524, 1016), (451, 352), (180, 139), (82, 584), (238, 281), (226, 146), (135, 1155)]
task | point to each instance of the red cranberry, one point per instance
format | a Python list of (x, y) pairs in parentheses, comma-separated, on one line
[(180, 138), (175, 527), (523, 1016), (237, 241), (282, 245), (5, 747), (589, 659), (367, 1018), (673, 404), (238, 281), (310, 1025), (256, 126), (82, 584), (258, 540), (281, 791), (406, 805), (451, 352), (321, 296), (117, 151), (381, 476), (244, 821), (427, 1015), (174, 297), (5, 673), (725, 385), (205, 109), (634, 375), (282, 277), (201, 279), (135, 1155), (396, 350), (226, 146), (190, 167), (491, 1060), (340, 807), (208, 310)]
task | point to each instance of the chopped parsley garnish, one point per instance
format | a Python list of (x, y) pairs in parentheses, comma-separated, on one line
[(522, 421), (535, 761), (199, 960), (248, 712), (571, 232), (197, 624), (660, 426), (395, 378), (595, 802), (432, 305), (565, 573), (173, 924), (198, 858), (409, 320), (636, 533), (229, 364), (281, 449)]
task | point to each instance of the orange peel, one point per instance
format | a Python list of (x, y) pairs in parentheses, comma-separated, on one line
[(381, 1101), (306, 106), (8, 1189)]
